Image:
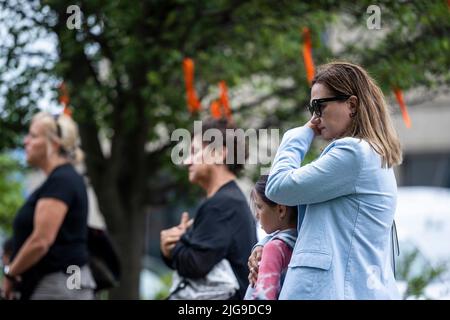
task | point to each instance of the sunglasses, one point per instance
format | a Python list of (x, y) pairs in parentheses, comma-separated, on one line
[(58, 127), (317, 105)]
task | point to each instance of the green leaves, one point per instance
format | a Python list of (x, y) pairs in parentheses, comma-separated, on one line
[(144, 43), (418, 273), (123, 70), (10, 190)]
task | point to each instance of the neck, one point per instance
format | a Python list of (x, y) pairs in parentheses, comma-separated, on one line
[(287, 225), (52, 163), (219, 177)]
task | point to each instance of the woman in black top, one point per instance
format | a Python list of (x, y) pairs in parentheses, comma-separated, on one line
[(223, 232), (49, 259)]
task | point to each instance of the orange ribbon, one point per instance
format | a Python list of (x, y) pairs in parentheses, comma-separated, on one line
[(224, 99), (399, 95), (221, 107), (64, 99), (307, 54), (215, 108), (191, 96)]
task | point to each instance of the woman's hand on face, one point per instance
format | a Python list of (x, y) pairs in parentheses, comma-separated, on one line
[(313, 124), (253, 265)]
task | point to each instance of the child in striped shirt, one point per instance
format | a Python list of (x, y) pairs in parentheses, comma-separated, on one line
[(280, 223)]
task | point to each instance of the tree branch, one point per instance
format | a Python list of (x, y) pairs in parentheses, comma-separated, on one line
[(283, 91)]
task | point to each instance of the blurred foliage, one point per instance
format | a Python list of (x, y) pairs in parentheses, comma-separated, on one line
[(166, 280), (419, 274), (123, 72), (11, 197)]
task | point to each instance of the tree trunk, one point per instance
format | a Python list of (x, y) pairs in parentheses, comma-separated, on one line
[(129, 239)]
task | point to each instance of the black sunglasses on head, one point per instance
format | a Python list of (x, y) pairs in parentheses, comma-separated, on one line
[(58, 127), (317, 104)]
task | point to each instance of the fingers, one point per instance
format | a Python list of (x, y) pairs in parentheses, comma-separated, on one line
[(168, 240), (258, 253), (166, 247), (169, 247), (253, 265), (7, 292), (185, 223), (252, 262), (254, 271), (174, 230), (171, 235), (189, 223), (184, 218), (313, 123), (252, 278), (255, 257)]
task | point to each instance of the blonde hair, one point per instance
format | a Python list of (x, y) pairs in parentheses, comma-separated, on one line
[(63, 130), (371, 120)]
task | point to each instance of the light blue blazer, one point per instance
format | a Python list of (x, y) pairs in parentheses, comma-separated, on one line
[(346, 211)]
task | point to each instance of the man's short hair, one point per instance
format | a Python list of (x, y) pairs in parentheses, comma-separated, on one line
[(228, 128)]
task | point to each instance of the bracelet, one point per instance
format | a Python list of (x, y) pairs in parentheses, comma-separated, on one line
[(6, 273)]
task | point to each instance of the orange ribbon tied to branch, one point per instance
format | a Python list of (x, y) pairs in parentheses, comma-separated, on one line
[(399, 96), (64, 99), (224, 99), (221, 108), (215, 108), (191, 96), (307, 54)]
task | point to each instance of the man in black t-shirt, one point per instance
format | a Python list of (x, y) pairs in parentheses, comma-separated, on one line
[(224, 228)]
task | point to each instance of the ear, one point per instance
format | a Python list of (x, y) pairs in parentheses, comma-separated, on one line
[(282, 211), (224, 154), (53, 146), (353, 102), (217, 153)]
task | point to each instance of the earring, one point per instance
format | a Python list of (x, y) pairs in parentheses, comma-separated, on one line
[(353, 114)]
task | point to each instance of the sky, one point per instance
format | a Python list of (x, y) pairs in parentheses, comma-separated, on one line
[(46, 44)]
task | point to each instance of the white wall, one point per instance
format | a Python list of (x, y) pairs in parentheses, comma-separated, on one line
[(430, 130)]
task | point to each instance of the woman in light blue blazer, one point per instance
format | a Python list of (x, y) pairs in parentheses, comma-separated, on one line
[(346, 197)]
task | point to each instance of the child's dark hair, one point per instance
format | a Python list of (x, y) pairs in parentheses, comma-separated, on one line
[(260, 189)]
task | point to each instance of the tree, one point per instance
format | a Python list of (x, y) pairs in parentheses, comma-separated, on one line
[(123, 71), (11, 192), (417, 282)]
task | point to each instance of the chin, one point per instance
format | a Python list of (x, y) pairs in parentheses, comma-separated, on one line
[(194, 178), (325, 137), (191, 178), (30, 162)]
